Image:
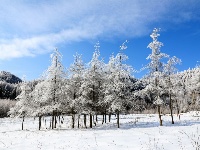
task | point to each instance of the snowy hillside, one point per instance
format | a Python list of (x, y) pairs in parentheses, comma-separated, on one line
[(9, 78), (137, 132), (9, 87)]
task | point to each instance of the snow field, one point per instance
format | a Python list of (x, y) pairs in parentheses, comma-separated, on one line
[(136, 132)]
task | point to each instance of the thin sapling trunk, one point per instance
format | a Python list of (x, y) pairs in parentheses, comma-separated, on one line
[(118, 118), (40, 117), (90, 120), (159, 115), (23, 123), (171, 107), (85, 121)]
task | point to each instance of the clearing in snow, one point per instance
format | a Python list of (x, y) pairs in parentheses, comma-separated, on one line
[(136, 132)]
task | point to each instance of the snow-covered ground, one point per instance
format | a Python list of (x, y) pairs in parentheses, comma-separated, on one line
[(136, 132)]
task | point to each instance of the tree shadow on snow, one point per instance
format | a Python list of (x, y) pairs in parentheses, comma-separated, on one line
[(140, 124)]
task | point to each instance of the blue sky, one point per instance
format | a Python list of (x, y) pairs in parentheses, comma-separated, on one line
[(30, 30)]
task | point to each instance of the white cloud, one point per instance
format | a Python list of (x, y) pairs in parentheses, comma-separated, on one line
[(19, 47), (30, 28)]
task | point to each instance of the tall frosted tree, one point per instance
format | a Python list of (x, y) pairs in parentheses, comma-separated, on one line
[(51, 86), (118, 82), (155, 68), (108, 97), (93, 79), (76, 71)]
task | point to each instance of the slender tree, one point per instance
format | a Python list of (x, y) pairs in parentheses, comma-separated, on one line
[(23, 106), (73, 86), (48, 94), (169, 70), (92, 84), (156, 68)]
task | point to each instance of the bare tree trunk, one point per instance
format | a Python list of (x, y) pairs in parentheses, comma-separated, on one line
[(159, 114), (56, 117), (52, 126), (73, 119), (40, 117), (55, 120), (118, 118), (90, 120), (103, 119), (78, 120), (109, 117), (178, 111), (96, 118), (105, 115), (23, 123), (171, 107), (73, 113), (85, 120), (59, 118)]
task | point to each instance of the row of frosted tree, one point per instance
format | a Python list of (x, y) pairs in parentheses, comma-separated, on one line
[(100, 88)]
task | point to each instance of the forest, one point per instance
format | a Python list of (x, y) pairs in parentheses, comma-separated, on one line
[(99, 88)]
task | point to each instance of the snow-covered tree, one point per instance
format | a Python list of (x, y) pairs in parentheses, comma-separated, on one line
[(108, 97), (92, 84), (194, 88), (169, 85), (192, 85), (155, 68), (23, 106), (118, 82), (72, 87), (48, 94)]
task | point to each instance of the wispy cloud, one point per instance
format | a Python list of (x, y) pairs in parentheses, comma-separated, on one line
[(31, 28), (20, 47)]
